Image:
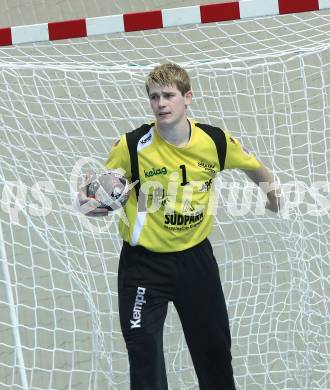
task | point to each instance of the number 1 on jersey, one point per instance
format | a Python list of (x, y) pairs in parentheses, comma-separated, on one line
[(184, 175)]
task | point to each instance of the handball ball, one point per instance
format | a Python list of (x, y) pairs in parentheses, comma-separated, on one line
[(110, 188)]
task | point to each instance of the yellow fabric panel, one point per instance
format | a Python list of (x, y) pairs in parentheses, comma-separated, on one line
[(238, 156), (177, 183), (118, 157)]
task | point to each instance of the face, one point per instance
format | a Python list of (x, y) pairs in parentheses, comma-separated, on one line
[(168, 104)]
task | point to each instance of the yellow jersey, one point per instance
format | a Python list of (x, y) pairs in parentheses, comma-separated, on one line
[(168, 209)]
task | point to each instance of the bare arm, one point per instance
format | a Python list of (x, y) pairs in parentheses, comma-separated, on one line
[(266, 181)]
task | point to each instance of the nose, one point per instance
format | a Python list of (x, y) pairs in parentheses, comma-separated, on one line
[(161, 101)]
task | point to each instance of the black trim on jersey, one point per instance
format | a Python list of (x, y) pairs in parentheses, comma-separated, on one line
[(219, 138), (132, 139)]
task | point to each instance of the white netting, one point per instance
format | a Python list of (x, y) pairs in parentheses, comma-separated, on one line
[(267, 82)]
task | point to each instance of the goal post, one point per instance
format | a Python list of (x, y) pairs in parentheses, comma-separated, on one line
[(63, 104)]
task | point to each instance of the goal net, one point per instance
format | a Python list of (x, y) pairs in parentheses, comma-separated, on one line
[(63, 104)]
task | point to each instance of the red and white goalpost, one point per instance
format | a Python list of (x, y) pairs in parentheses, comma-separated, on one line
[(259, 69)]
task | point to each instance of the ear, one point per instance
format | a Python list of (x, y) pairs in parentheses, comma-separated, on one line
[(188, 98)]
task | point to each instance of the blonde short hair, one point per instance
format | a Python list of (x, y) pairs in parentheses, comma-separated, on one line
[(169, 74)]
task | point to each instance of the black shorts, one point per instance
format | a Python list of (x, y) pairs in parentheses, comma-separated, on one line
[(147, 281)]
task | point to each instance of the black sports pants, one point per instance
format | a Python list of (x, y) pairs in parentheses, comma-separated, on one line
[(147, 281)]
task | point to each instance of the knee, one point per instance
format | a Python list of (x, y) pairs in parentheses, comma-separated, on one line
[(220, 346), (147, 363), (144, 347)]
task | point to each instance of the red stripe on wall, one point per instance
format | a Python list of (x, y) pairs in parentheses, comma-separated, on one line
[(67, 29), (143, 20), (219, 12), (290, 6), (5, 36)]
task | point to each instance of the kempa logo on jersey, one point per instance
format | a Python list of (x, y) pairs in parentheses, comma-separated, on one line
[(207, 166), (145, 140), (155, 172), (139, 301), (180, 219)]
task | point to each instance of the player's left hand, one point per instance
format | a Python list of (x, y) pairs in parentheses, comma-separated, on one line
[(274, 203), (87, 205)]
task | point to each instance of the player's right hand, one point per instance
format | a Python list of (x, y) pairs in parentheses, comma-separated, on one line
[(89, 206)]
